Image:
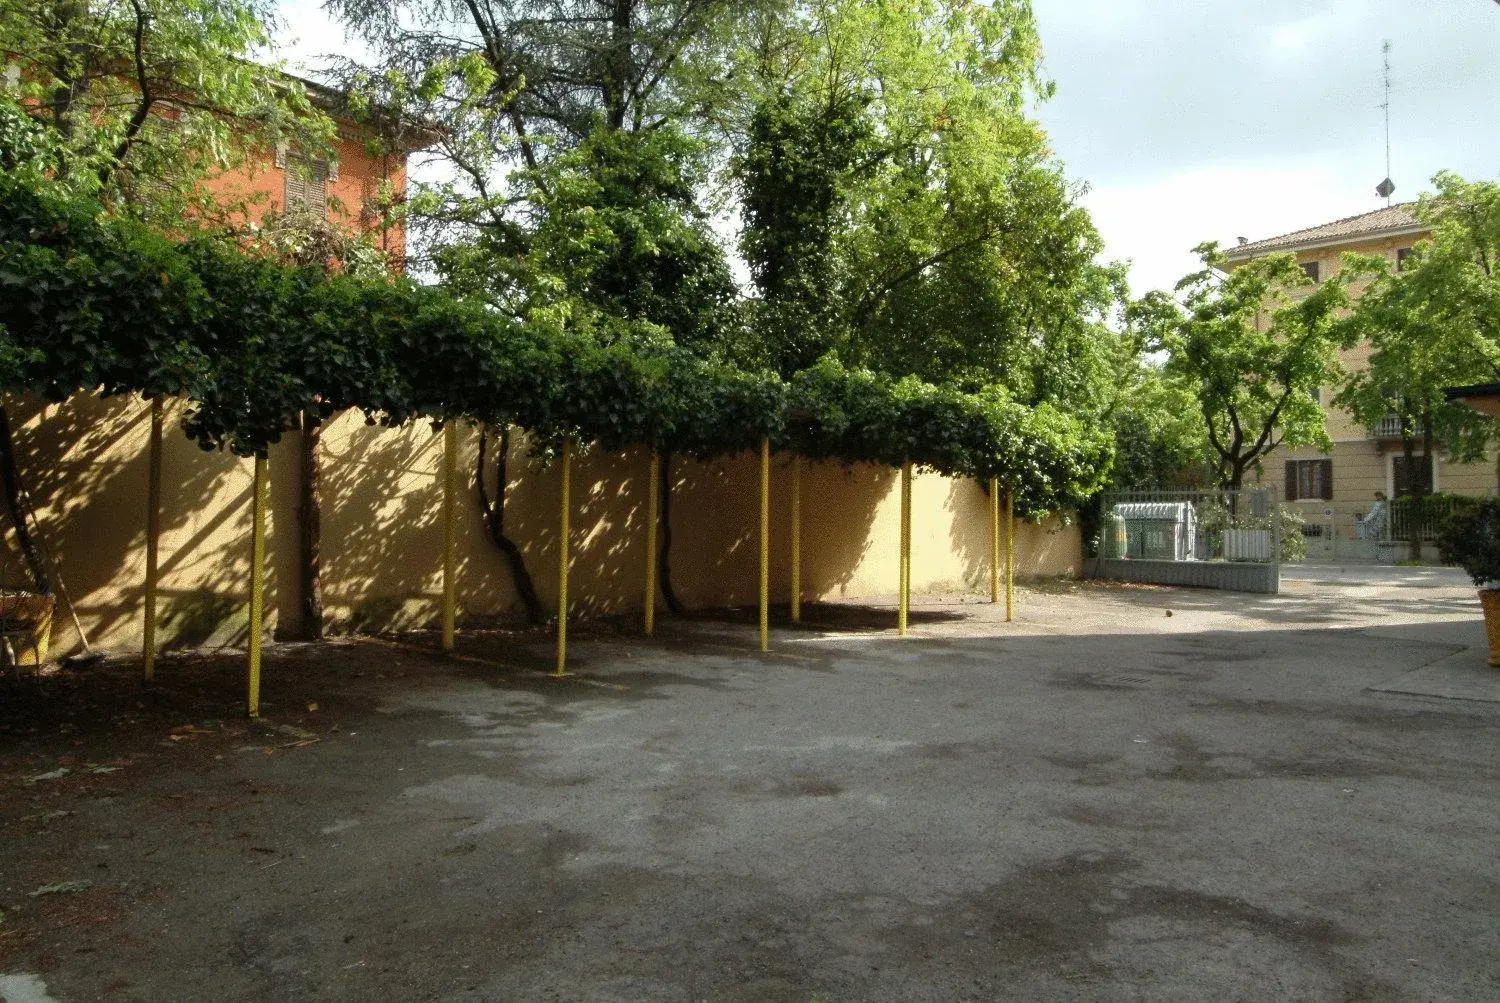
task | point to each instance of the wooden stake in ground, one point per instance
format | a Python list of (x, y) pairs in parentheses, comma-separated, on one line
[(1010, 556), (765, 544), (796, 539), (653, 516), (904, 600), (994, 539)]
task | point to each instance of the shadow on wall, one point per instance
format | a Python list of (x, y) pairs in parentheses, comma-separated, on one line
[(383, 528), (1045, 549), (85, 463), (716, 527)]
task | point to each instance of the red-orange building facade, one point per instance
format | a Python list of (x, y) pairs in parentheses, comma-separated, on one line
[(354, 185)]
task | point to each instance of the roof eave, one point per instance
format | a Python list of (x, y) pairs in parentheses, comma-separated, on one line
[(1249, 251)]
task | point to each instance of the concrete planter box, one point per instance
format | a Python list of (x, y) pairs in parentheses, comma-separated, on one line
[(1235, 576)]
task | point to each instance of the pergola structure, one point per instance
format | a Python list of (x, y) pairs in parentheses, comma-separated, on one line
[(1002, 551), (255, 346)]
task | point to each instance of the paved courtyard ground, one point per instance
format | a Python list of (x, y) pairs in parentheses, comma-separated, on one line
[(1131, 792)]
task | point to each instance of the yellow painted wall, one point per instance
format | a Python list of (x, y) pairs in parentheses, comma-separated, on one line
[(85, 465)]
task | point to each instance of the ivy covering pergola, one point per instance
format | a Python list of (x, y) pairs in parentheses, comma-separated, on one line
[(91, 304)]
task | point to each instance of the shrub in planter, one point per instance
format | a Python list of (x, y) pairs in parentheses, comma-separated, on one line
[(1471, 539)]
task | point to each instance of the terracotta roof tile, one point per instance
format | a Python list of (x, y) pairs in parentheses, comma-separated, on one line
[(1401, 216)]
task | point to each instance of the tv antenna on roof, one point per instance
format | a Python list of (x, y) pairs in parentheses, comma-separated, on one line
[(1387, 187)]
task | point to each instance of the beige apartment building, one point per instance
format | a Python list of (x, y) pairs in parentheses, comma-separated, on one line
[(1363, 460)]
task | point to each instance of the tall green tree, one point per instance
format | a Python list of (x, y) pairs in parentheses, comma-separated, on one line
[(573, 132), (801, 162), (903, 207), (1431, 325), (1253, 344)]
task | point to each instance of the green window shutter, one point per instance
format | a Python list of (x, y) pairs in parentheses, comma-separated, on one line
[(306, 184)]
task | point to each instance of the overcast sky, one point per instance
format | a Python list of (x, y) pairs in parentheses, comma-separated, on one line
[(1213, 119), (1195, 120)]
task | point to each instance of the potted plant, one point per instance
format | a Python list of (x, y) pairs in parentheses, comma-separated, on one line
[(1471, 539)]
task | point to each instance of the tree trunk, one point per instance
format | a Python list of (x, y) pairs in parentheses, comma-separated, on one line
[(494, 521), (664, 555), (1422, 487), (310, 510), (16, 507), (1232, 473), (617, 64)]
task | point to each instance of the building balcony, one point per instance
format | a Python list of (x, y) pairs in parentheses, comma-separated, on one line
[(1388, 427)]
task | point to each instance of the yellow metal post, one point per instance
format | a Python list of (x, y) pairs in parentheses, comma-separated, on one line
[(562, 558), (153, 536), (1010, 556), (796, 539), (994, 539), (653, 516), (905, 598), (450, 533), (765, 545), (257, 581)]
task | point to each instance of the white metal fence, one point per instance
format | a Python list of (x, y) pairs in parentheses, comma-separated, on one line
[(1377, 531)]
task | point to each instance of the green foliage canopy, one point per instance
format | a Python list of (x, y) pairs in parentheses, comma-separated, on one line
[(1433, 324), (93, 302), (1253, 344), (144, 98)]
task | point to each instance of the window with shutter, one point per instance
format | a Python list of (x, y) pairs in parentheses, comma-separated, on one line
[(306, 184), (1309, 479), (1401, 474)]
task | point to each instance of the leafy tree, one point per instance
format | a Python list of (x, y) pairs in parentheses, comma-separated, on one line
[(1459, 275), (135, 103), (602, 228), (901, 207), (1159, 436), (607, 238), (146, 97), (1429, 326), (1252, 344), (516, 82), (801, 159)]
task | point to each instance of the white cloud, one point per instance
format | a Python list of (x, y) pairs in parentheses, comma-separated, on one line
[(1157, 223)]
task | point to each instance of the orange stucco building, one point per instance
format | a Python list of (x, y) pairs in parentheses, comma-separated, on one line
[(352, 184)]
